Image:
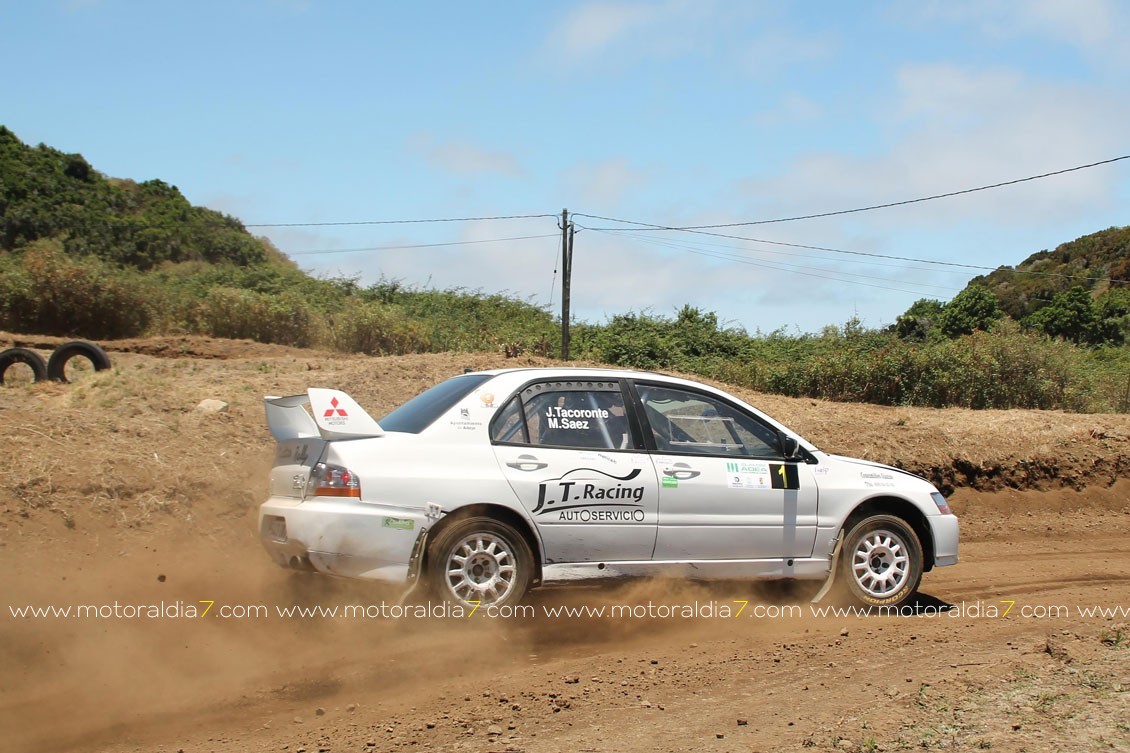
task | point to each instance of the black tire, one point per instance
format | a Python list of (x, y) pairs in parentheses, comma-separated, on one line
[(479, 559), (57, 364), (23, 355), (881, 562)]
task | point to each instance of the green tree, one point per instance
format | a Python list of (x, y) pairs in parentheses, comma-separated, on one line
[(47, 194), (975, 308), (1113, 311), (1070, 315), (920, 320)]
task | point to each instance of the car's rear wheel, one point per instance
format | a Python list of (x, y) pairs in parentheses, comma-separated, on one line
[(480, 561), (881, 561)]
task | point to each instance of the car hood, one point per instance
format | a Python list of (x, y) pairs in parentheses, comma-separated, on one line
[(905, 477)]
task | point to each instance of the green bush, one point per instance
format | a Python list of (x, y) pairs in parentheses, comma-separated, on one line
[(974, 308), (377, 329), (1003, 368), (466, 320), (48, 194), (692, 341), (45, 291), (285, 319)]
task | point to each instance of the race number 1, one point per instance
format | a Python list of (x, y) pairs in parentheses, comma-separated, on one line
[(783, 476)]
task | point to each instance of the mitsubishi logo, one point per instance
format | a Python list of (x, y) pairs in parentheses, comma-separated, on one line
[(331, 411)]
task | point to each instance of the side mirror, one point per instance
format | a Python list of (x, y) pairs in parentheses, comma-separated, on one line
[(790, 447)]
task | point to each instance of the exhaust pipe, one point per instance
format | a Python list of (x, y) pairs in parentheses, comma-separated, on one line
[(301, 563)]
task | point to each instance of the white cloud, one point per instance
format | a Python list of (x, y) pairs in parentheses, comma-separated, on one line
[(952, 128), (1086, 23), (793, 108), (1097, 28), (775, 51), (594, 27), (606, 183), (465, 158), (605, 32), (945, 92)]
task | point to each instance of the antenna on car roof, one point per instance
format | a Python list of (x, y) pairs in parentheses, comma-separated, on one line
[(466, 369)]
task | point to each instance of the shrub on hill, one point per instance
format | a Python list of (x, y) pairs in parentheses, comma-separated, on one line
[(47, 194), (44, 290)]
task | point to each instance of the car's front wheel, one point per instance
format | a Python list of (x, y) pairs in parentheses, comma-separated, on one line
[(480, 561), (881, 561)]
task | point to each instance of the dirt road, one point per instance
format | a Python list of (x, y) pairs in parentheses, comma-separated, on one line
[(117, 496)]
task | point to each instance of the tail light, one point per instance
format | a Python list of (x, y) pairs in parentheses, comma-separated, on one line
[(333, 481), (940, 501)]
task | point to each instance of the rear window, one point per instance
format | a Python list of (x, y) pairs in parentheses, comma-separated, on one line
[(418, 413)]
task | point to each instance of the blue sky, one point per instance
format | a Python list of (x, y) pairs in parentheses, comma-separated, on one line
[(671, 113)]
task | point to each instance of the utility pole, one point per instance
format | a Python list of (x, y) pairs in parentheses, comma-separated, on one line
[(566, 279)]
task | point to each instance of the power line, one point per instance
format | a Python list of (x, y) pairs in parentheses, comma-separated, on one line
[(825, 277), (793, 268), (912, 259), (609, 231), (851, 253), (417, 245), (735, 255), (867, 208), (402, 222)]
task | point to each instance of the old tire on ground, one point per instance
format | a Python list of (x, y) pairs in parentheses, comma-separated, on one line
[(881, 561), (479, 559), (57, 364), (13, 356)]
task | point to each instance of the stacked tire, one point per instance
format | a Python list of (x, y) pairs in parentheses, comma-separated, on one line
[(55, 367)]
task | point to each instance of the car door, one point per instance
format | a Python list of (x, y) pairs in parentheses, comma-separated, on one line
[(580, 469), (725, 492)]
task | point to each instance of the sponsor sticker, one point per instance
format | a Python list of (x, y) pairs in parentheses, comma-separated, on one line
[(670, 482), (758, 475), (589, 495), (465, 421), (335, 415), (880, 479), (748, 475), (400, 524)]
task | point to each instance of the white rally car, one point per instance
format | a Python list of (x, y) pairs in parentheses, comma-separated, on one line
[(495, 482)]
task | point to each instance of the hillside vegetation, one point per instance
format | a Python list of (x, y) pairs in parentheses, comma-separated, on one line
[(1098, 263), (46, 193), (84, 255)]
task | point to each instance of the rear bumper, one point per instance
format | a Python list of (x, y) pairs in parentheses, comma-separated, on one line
[(340, 537), (945, 531)]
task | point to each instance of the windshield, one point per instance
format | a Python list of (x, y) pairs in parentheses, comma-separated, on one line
[(418, 413)]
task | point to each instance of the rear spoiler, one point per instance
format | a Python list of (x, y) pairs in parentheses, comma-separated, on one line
[(332, 415)]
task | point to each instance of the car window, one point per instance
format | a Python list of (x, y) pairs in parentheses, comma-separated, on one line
[(686, 421), (418, 413), (510, 424), (580, 415)]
